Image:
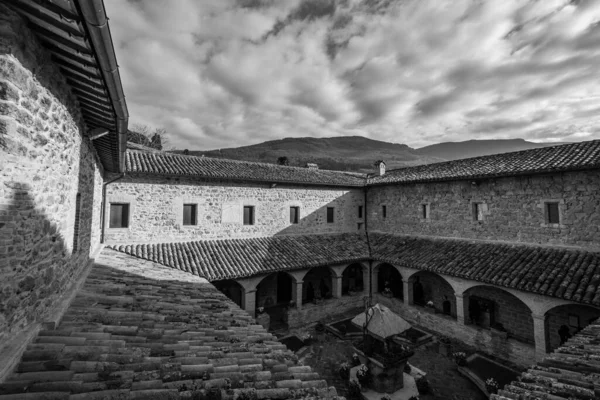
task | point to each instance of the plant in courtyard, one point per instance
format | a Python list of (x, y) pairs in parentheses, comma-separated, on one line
[(491, 385), (422, 384), (386, 397), (354, 391), (430, 304), (261, 310), (363, 375), (344, 371), (307, 338), (355, 359), (460, 358)]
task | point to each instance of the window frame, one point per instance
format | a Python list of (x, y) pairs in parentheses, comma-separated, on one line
[(425, 211), (295, 219), (546, 218), (330, 213), (126, 206), (252, 215), (194, 214)]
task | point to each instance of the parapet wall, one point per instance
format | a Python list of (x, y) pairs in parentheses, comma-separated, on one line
[(512, 209), (44, 164)]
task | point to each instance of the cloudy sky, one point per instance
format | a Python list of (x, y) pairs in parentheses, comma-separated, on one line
[(226, 73)]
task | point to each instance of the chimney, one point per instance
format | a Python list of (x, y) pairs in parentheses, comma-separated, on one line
[(312, 166), (380, 165)]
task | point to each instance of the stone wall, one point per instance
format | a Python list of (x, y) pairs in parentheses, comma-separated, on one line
[(509, 311), (437, 290), (482, 339), (324, 311), (156, 209), (44, 164), (512, 208)]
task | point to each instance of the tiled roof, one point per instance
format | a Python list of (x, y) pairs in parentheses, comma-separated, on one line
[(138, 330), (204, 167), (568, 274), (576, 156), (572, 372), (235, 258), (137, 146)]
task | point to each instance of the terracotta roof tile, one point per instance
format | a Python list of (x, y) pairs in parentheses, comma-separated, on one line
[(576, 156), (138, 330), (168, 164), (565, 273), (572, 372), (236, 258)]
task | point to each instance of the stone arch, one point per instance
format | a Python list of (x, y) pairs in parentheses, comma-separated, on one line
[(428, 287), (494, 307), (232, 289), (274, 289), (388, 276), (353, 278), (317, 284), (573, 316)]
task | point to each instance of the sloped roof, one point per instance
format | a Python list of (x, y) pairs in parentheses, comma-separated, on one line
[(77, 36), (565, 273), (383, 322), (571, 372), (236, 258), (169, 164), (576, 156), (137, 330)]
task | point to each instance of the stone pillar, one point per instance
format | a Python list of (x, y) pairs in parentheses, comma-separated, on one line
[(297, 294), (407, 288), (337, 286), (539, 333), (461, 306), (249, 301)]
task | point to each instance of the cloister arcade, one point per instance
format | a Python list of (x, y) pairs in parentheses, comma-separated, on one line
[(515, 324)]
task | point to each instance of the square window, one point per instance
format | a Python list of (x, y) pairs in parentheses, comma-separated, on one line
[(190, 214), (248, 215), (552, 215), (119, 215), (330, 215), (477, 212), (294, 215), (360, 211), (384, 211)]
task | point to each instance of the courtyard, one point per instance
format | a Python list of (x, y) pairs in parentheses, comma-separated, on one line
[(326, 352)]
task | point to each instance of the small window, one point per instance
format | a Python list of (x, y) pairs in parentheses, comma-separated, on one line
[(248, 215), (77, 217), (294, 215), (119, 215), (190, 214), (425, 211), (360, 209), (384, 211), (552, 215), (477, 212), (330, 215)]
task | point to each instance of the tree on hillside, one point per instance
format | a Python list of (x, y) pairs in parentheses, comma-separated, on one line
[(283, 160), (142, 134)]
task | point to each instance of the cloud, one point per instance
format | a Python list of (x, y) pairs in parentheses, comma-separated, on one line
[(222, 73)]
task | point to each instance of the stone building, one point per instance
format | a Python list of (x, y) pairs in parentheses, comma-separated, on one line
[(130, 272)]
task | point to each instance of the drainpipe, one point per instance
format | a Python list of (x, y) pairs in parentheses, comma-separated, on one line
[(103, 210), (365, 189)]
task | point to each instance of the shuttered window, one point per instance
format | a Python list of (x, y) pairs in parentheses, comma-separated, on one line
[(294, 215), (190, 216), (119, 215), (248, 215), (330, 215), (552, 213)]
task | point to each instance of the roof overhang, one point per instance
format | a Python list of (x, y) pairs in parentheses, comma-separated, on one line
[(77, 36)]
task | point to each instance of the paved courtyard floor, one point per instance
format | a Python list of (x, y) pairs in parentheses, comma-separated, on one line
[(327, 352)]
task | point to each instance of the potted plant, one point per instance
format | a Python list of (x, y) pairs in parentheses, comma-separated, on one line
[(355, 360), (460, 358), (292, 304), (386, 397), (491, 385), (344, 371), (387, 292), (422, 384), (260, 310), (307, 339), (363, 375)]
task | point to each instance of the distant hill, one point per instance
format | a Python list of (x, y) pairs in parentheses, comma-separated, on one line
[(347, 153), (476, 148)]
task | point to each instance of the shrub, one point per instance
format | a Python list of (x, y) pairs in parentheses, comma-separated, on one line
[(460, 358), (344, 371), (422, 385), (355, 360), (386, 397), (491, 385), (354, 391)]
